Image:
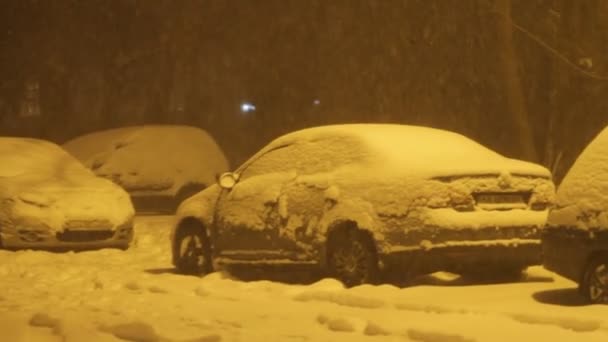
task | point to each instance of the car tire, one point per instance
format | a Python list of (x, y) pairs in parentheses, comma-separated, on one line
[(193, 251), (594, 285), (352, 258)]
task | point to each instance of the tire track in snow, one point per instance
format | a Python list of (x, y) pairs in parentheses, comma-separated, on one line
[(350, 300), (567, 323)]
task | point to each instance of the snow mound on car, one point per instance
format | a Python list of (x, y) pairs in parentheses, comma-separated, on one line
[(155, 158), (420, 151), (41, 181), (582, 197), (368, 173)]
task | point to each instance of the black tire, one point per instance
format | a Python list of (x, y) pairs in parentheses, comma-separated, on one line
[(594, 286), (193, 252), (352, 258)]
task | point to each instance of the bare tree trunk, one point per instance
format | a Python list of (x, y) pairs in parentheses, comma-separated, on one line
[(551, 156), (510, 67)]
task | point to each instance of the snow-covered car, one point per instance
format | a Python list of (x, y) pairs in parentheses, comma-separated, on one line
[(575, 241), (358, 199), (158, 165), (50, 200)]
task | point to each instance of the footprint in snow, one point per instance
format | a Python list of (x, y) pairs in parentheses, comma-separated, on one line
[(431, 336), (342, 324)]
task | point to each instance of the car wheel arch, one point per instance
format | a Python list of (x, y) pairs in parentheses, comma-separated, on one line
[(593, 255), (339, 227), (188, 190)]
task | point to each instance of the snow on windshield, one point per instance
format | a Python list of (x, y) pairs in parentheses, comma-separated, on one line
[(20, 156), (151, 158), (582, 197)]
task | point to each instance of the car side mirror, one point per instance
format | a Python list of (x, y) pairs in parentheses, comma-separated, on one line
[(228, 180)]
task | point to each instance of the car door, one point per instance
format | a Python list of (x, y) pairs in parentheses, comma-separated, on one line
[(274, 209), (305, 198), (249, 214)]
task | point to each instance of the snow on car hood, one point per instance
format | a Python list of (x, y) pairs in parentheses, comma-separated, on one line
[(159, 159), (53, 202), (582, 196), (43, 185)]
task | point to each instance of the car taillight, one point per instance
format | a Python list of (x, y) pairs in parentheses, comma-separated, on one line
[(539, 206), (463, 203), (539, 202)]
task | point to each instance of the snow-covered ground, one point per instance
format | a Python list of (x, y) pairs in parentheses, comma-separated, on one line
[(110, 295)]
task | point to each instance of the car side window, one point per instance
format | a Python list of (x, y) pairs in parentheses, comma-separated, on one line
[(309, 157), (328, 154), (277, 160)]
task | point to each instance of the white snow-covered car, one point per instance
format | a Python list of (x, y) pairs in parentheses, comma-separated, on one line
[(575, 241), (158, 165), (356, 199), (50, 200)]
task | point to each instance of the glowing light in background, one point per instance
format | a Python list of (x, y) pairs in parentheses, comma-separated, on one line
[(316, 102), (247, 107)]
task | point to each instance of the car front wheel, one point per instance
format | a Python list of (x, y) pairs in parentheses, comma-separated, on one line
[(595, 281), (193, 251)]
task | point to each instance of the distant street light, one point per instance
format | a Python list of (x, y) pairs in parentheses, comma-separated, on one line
[(247, 107)]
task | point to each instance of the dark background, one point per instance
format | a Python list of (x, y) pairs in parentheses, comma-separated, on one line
[(528, 78)]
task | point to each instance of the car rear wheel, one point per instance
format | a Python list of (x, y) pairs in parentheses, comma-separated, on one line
[(595, 281), (193, 251), (352, 258)]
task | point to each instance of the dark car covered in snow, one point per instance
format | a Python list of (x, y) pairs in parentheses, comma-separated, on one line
[(50, 200), (158, 165), (575, 241), (358, 199)]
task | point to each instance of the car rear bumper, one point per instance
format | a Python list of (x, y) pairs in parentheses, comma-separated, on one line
[(456, 256), (67, 240)]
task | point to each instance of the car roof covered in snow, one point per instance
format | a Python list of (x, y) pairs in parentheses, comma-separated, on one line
[(582, 196), (22, 156), (424, 151), (158, 158)]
